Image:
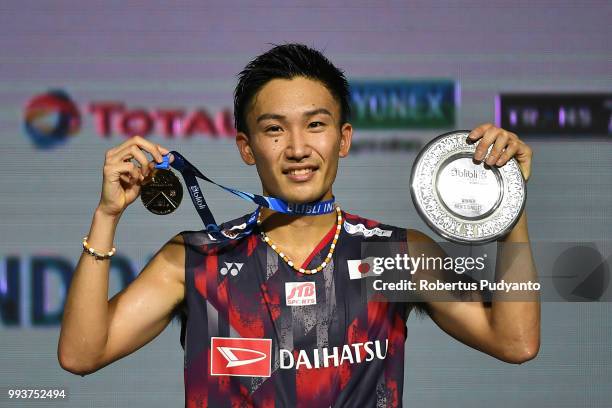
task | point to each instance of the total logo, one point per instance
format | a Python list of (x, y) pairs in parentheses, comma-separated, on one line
[(250, 357), (300, 293), (50, 118)]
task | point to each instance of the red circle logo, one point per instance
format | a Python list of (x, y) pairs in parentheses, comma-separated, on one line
[(363, 267)]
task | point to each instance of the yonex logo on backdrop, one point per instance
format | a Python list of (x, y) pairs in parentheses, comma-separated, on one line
[(403, 104), (231, 267), (300, 293)]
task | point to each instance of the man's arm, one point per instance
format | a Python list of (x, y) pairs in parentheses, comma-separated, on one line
[(507, 330), (97, 331)]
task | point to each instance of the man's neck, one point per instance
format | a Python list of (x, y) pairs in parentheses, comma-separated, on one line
[(292, 230)]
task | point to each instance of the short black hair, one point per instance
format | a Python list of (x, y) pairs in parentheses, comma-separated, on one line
[(287, 61)]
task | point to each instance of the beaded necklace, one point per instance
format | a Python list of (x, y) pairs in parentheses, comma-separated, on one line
[(327, 259)]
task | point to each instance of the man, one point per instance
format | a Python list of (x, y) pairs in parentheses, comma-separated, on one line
[(273, 318)]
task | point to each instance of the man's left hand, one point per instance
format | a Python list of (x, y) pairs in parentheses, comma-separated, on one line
[(505, 146)]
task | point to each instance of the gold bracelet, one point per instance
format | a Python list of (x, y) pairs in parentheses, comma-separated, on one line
[(89, 250)]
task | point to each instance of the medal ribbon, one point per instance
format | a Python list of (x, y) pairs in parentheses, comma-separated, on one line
[(190, 173)]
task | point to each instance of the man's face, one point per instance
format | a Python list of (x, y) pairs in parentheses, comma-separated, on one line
[(295, 139)]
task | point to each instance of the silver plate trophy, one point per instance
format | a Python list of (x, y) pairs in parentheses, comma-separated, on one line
[(460, 199)]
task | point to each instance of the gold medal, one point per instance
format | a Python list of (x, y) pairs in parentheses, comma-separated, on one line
[(162, 192)]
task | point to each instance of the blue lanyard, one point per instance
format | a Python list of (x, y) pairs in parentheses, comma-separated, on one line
[(190, 173)]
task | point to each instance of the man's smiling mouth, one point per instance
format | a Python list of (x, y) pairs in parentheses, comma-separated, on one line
[(300, 173)]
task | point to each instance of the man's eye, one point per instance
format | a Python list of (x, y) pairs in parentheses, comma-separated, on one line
[(316, 124), (273, 129)]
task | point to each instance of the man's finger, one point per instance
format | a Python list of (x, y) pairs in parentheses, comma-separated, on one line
[(485, 141), (498, 147), (148, 146), (510, 151), (478, 131)]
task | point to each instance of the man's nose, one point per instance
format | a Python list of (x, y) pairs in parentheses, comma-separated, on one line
[(297, 146)]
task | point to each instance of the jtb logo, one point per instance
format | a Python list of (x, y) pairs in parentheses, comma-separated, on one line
[(240, 357), (300, 293)]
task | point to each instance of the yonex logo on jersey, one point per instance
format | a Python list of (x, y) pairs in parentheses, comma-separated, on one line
[(300, 293), (361, 229), (231, 267), (240, 357)]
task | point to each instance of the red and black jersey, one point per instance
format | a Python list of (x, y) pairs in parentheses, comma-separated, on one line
[(257, 333)]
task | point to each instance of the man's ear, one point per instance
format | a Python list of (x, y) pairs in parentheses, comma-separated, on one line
[(346, 137), (242, 141)]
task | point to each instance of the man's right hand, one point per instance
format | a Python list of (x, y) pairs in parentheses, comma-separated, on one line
[(122, 178)]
